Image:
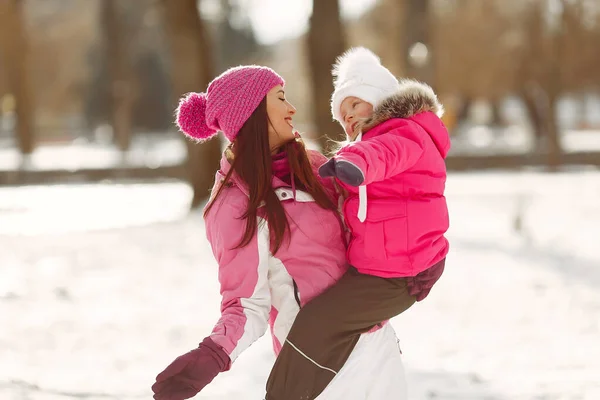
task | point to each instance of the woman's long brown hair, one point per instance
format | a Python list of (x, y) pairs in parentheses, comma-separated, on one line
[(252, 163)]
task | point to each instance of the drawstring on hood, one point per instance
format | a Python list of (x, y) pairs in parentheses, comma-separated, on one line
[(362, 193)]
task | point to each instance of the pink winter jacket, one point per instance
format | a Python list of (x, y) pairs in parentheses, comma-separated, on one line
[(401, 155), (260, 289)]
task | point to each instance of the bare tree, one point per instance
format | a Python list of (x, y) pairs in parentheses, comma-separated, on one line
[(120, 72), (418, 44), (192, 70), (325, 41), (541, 78), (14, 51), (475, 55), (378, 30), (513, 50), (580, 54), (235, 40)]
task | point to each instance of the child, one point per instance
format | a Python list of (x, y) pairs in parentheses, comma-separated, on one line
[(394, 173)]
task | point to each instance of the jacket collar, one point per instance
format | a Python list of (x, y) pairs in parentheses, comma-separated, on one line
[(282, 190), (412, 98)]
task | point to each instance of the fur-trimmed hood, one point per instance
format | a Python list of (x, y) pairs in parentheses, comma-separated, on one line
[(411, 99)]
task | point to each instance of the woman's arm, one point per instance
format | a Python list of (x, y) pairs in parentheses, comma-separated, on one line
[(246, 299), (244, 308)]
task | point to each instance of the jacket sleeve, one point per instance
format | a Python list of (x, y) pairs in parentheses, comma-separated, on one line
[(386, 155), (246, 299)]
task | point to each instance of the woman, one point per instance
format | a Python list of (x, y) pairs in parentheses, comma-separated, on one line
[(276, 235)]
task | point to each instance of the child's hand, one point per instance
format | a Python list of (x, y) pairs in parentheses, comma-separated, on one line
[(344, 170), (327, 170)]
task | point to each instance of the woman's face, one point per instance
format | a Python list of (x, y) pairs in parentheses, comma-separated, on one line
[(280, 112), (354, 110)]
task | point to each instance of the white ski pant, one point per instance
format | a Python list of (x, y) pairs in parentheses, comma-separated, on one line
[(374, 370)]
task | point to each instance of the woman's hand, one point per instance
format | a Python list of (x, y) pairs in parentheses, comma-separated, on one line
[(188, 374)]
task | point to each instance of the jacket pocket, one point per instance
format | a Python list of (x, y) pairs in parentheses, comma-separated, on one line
[(386, 229)]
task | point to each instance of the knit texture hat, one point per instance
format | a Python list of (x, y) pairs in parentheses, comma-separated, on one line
[(228, 102), (359, 73)]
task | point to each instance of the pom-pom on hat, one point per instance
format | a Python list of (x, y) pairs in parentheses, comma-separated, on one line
[(227, 104), (359, 73)]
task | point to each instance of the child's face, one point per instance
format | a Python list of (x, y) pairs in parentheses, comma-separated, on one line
[(353, 110)]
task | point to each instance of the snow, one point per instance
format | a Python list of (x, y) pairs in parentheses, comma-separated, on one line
[(152, 151), (102, 285)]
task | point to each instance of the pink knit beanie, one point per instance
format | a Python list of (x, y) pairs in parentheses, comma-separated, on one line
[(228, 102)]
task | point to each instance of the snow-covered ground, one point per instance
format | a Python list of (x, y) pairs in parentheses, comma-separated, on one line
[(102, 285)]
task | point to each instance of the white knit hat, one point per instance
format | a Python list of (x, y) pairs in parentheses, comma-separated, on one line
[(359, 73)]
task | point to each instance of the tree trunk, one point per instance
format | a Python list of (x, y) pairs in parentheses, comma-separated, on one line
[(554, 143), (535, 117), (463, 113), (14, 51), (325, 41), (191, 71), (582, 121), (555, 86), (417, 30), (496, 105), (120, 73), (542, 80)]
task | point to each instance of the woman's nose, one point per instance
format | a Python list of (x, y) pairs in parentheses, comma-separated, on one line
[(349, 117)]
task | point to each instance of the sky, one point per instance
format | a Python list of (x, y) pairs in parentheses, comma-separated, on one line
[(273, 20)]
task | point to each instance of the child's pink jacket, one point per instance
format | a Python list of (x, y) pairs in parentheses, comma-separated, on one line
[(401, 155)]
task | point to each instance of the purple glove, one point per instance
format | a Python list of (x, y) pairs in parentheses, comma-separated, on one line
[(191, 372), (420, 285), (344, 170)]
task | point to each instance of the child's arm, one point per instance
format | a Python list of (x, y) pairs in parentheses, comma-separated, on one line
[(383, 156)]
